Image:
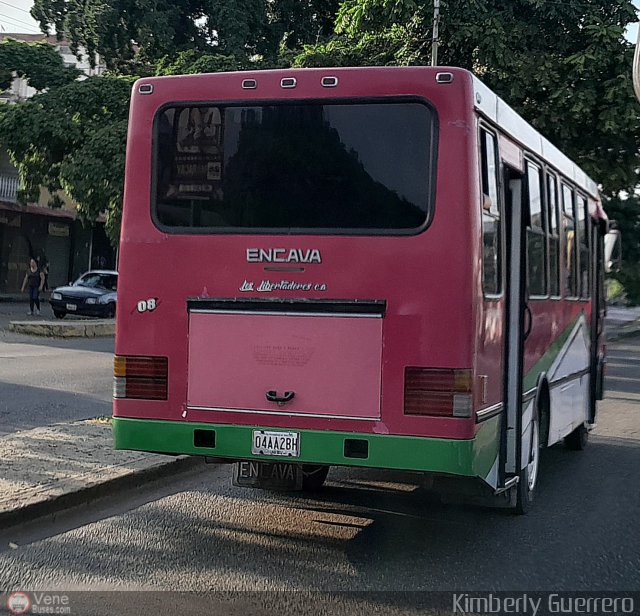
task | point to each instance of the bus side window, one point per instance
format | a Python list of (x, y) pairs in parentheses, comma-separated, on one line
[(570, 250), (536, 234), (582, 216), (491, 229), (554, 236)]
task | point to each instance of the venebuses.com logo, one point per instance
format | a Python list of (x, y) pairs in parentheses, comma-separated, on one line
[(19, 603), (38, 603)]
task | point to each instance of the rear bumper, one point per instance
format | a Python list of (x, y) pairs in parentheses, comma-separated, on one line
[(467, 458)]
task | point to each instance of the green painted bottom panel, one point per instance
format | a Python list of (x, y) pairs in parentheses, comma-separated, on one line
[(470, 458)]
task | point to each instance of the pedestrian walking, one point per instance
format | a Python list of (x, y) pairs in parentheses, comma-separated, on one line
[(34, 280)]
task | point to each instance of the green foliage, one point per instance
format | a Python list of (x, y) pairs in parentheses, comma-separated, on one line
[(73, 138), (192, 62), (39, 63), (127, 33), (615, 290), (396, 45), (626, 214)]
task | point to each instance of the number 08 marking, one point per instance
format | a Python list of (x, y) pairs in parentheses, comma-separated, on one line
[(147, 305)]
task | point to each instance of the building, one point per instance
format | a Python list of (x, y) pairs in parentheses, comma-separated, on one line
[(53, 236)]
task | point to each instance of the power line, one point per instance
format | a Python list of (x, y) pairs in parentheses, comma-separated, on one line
[(26, 23), (13, 6), (19, 21)]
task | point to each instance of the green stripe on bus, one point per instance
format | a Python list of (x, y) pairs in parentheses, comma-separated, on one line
[(546, 361), (471, 458)]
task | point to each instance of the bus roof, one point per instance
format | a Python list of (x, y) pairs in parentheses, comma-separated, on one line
[(491, 105)]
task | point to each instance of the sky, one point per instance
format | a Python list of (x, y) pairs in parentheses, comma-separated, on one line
[(15, 17)]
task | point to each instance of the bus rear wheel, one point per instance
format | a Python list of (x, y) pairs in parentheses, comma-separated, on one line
[(313, 477), (528, 478)]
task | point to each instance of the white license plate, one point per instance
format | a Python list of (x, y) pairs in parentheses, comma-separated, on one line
[(72, 307), (267, 443)]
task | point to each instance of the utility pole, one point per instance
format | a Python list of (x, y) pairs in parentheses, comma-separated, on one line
[(434, 42), (636, 66)]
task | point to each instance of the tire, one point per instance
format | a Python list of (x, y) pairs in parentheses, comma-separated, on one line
[(528, 477), (110, 312), (59, 314), (313, 477), (577, 440)]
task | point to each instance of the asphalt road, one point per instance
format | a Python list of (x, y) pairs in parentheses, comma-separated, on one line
[(367, 531), (45, 381)]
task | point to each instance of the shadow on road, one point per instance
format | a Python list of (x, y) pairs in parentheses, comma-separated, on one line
[(41, 406)]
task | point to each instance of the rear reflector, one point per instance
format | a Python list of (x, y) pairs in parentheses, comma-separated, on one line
[(438, 392), (143, 378)]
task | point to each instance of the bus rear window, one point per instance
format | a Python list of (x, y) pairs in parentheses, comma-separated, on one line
[(367, 167)]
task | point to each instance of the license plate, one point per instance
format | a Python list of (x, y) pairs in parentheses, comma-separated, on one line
[(268, 443), (72, 307), (268, 475)]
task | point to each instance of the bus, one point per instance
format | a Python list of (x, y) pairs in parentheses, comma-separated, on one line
[(361, 267)]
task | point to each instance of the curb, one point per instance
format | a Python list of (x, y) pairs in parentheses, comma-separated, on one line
[(73, 329), (69, 500)]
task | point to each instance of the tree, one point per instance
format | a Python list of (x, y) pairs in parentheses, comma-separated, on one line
[(131, 33), (626, 214), (39, 63), (72, 138)]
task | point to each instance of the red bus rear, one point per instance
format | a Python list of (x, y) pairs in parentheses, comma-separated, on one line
[(317, 268)]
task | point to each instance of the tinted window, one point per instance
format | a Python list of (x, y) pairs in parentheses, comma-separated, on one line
[(536, 234), (570, 249), (491, 233), (583, 241), (554, 236), (312, 166)]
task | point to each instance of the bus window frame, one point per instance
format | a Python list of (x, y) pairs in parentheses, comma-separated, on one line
[(579, 194), (564, 182), (551, 173), (539, 165), (490, 130), (328, 231)]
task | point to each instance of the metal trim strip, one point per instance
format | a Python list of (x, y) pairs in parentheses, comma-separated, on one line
[(307, 306), (256, 412), (569, 377), (289, 314), (489, 412)]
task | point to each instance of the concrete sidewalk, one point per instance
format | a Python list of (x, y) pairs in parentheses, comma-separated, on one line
[(52, 468)]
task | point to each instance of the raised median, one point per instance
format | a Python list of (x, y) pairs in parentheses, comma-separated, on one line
[(65, 329)]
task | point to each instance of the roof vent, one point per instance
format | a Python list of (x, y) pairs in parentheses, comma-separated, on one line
[(145, 88), (444, 77), (288, 82), (249, 84), (329, 82)]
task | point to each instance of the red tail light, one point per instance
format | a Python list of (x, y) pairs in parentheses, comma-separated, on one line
[(143, 378), (438, 392)]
